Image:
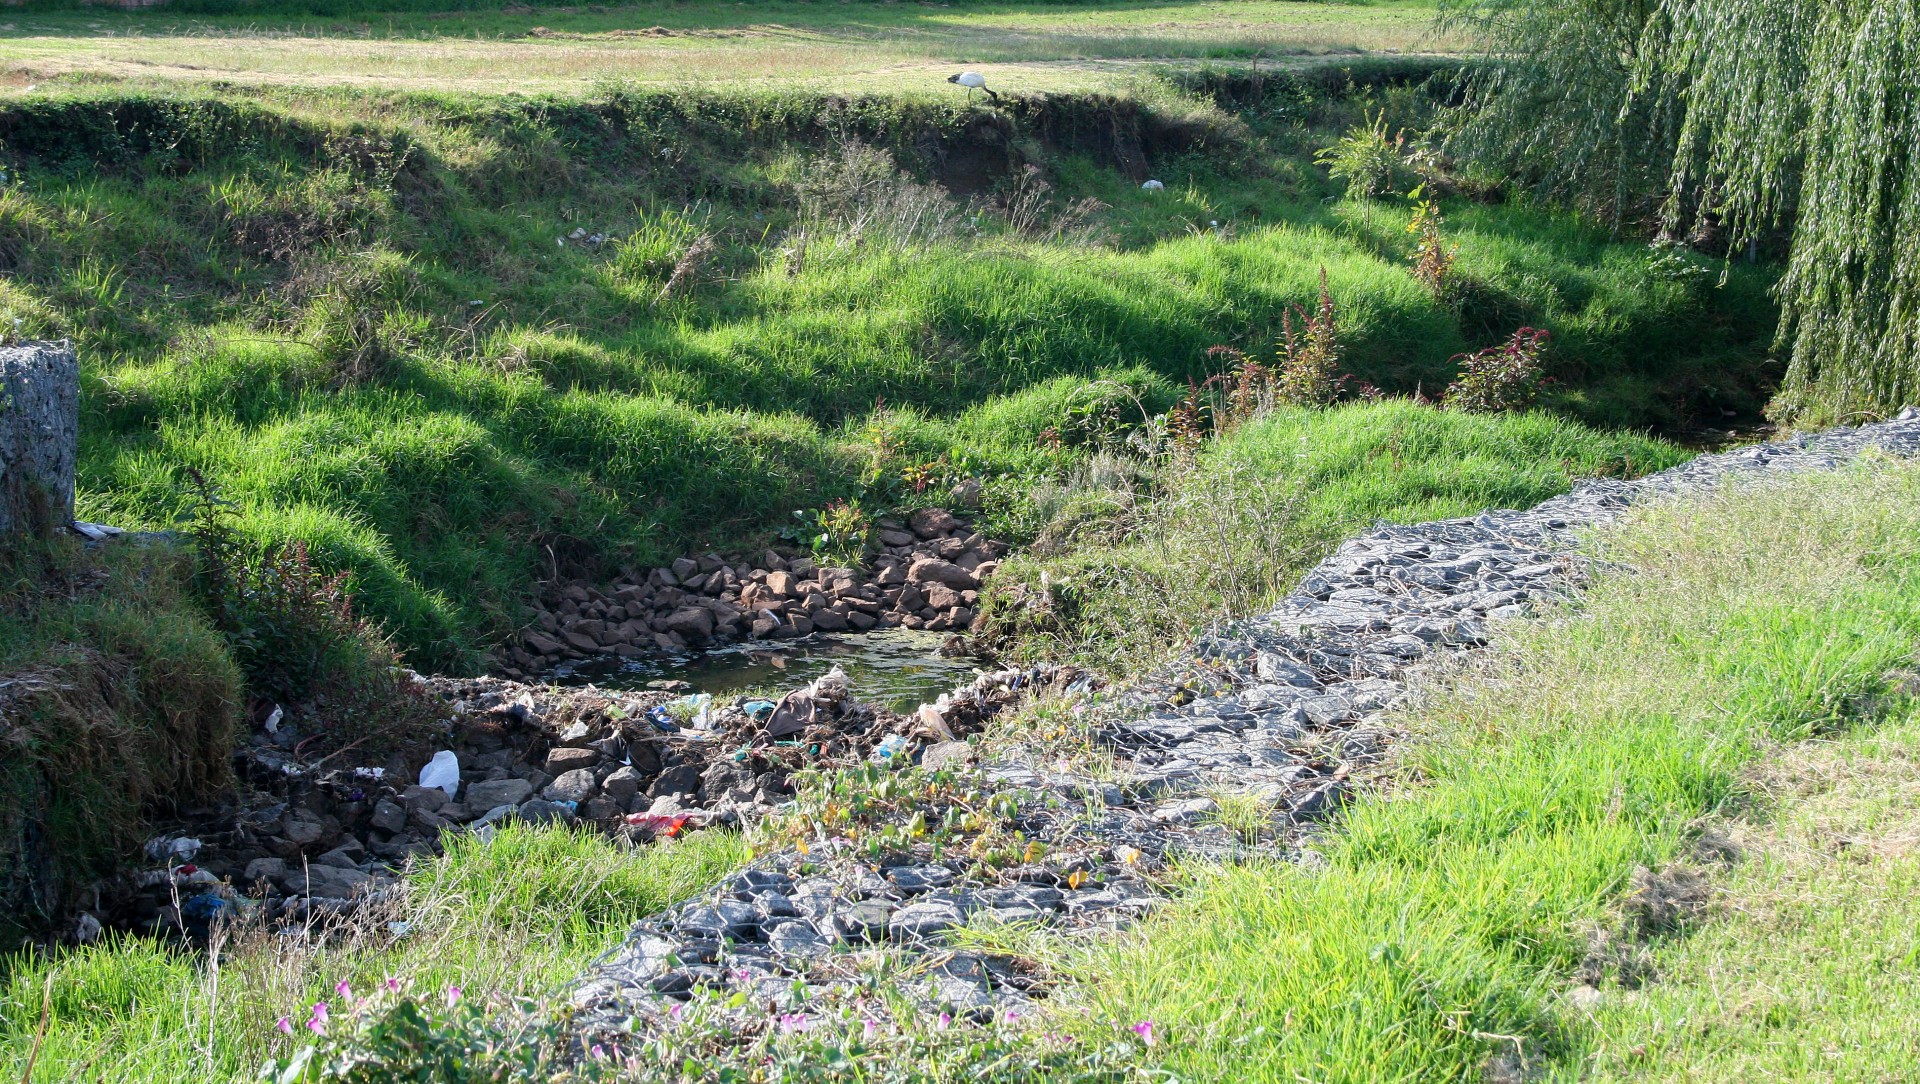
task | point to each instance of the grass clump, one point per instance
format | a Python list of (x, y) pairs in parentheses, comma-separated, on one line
[(1138, 555), (1439, 935), (519, 916)]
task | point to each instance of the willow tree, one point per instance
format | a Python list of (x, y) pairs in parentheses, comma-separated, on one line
[(1755, 116)]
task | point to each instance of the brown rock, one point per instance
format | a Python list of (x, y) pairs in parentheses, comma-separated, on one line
[(581, 641), (862, 621), (942, 597), (541, 645), (896, 538), (933, 570), (932, 522), (694, 623), (829, 621), (684, 568), (782, 584), (910, 599)]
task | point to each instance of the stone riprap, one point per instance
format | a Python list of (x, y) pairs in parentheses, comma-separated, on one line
[(1288, 705)]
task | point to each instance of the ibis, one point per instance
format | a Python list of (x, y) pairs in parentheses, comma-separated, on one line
[(973, 81)]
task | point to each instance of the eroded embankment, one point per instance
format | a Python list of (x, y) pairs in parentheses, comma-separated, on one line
[(1286, 705)]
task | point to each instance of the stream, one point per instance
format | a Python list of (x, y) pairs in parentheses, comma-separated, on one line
[(895, 668)]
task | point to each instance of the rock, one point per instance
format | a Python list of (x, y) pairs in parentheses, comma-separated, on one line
[(796, 938), (694, 623), (946, 756), (915, 879), (542, 645), (934, 570), (684, 568), (965, 493), (622, 785), (863, 921), (563, 760), (683, 779), (727, 918), (941, 597), (783, 585), (263, 869), (932, 522), (498, 792), (572, 786), (540, 812), (924, 918), (389, 816)]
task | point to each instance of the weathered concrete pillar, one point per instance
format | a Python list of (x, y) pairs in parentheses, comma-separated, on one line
[(39, 435)]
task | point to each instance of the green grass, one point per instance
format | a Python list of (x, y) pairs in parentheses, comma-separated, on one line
[(278, 288), (1137, 557), (488, 48), (519, 916), (1805, 970), (1440, 935), (116, 698)]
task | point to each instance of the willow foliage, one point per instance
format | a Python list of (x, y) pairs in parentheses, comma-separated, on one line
[(1748, 115)]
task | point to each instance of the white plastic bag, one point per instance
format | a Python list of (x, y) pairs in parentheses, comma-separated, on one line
[(442, 771)]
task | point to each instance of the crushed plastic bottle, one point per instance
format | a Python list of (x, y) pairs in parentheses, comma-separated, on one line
[(891, 746)]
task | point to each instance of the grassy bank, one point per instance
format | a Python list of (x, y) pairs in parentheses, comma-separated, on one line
[(517, 917), (1445, 930), (117, 699), (382, 322), (1133, 558)]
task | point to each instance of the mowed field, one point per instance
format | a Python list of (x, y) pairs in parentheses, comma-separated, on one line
[(818, 46)]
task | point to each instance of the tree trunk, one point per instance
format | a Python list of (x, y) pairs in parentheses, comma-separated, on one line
[(39, 436)]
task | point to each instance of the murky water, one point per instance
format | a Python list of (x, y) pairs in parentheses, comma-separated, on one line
[(898, 668)]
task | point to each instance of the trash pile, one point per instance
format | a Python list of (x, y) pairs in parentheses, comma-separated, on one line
[(299, 838)]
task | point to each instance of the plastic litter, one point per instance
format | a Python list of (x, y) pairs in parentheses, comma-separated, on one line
[(205, 908), (1152, 186), (661, 720), (891, 746), (173, 848), (443, 771), (699, 709)]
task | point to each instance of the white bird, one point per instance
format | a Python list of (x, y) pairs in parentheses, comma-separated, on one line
[(973, 81)]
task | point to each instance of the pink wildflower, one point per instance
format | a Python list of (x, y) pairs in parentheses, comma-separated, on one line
[(598, 1051), (946, 1020), (345, 991), (791, 1022), (869, 1028), (284, 1025), (392, 985), (453, 996), (1144, 1029)]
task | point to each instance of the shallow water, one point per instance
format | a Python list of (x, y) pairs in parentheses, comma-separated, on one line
[(898, 668)]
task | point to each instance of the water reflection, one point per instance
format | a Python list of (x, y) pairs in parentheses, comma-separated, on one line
[(898, 668)]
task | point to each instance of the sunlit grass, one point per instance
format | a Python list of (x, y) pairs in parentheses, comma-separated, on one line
[(519, 916), (1439, 936)]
